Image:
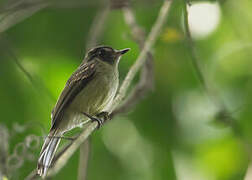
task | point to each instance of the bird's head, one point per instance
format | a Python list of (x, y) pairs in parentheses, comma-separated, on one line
[(106, 54)]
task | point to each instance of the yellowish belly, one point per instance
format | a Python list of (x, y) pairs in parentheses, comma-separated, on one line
[(93, 99)]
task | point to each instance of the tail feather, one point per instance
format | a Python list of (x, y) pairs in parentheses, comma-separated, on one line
[(47, 153)]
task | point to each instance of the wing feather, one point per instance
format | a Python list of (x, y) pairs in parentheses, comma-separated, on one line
[(78, 80)]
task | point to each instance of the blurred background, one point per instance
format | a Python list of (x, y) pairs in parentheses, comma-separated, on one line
[(176, 132)]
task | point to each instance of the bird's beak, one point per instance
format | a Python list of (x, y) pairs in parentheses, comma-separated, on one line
[(123, 51)]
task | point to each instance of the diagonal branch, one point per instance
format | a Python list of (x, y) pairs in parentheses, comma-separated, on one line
[(14, 16), (140, 61), (38, 85), (150, 41), (146, 81), (83, 160), (224, 114), (97, 27), (132, 72), (195, 60), (62, 160)]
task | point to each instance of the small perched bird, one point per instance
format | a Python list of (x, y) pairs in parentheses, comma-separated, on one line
[(88, 93)]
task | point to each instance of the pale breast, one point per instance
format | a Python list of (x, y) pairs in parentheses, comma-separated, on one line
[(95, 97)]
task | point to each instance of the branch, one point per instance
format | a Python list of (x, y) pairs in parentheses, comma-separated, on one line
[(194, 56), (83, 160), (151, 39), (195, 60), (223, 115), (248, 175), (146, 81), (62, 160), (13, 16), (139, 62), (14, 12), (144, 85), (91, 127), (38, 85), (97, 27)]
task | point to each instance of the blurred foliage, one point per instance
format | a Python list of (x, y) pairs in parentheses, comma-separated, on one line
[(173, 133)]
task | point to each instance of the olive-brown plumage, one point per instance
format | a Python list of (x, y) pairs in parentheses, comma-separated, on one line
[(90, 89)]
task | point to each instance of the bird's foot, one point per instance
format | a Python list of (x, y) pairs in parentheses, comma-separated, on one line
[(99, 118), (104, 115)]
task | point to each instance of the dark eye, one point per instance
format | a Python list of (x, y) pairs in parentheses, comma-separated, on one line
[(102, 53)]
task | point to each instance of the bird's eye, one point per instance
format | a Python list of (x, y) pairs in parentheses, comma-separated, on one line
[(102, 52)]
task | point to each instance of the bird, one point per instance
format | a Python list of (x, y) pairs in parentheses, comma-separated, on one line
[(88, 94)]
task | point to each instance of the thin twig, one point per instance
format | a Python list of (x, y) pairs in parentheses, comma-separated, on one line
[(137, 32), (223, 115), (195, 58), (144, 85), (88, 130), (139, 62), (94, 34), (196, 63), (83, 160), (62, 160), (151, 39), (33, 175), (146, 81), (12, 17), (38, 85), (97, 27), (248, 175)]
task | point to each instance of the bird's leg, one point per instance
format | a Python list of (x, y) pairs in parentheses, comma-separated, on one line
[(104, 115), (98, 120)]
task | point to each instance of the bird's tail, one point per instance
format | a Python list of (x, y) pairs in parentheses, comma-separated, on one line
[(47, 152)]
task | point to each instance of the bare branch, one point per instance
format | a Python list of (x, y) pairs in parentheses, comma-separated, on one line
[(96, 30), (137, 32), (144, 85), (97, 27), (38, 85), (224, 115), (146, 81), (83, 160), (132, 72), (61, 160), (94, 34), (33, 175), (195, 59), (248, 175), (14, 12), (151, 39), (11, 17)]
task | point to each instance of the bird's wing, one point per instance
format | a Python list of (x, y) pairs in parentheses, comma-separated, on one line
[(74, 85)]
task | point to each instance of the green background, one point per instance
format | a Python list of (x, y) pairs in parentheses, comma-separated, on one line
[(174, 133)]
